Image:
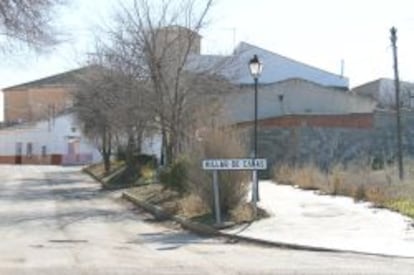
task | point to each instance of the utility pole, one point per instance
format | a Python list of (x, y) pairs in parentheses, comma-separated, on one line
[(397, 103)]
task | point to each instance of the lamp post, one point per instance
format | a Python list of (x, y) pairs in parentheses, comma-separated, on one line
[(255, 67)]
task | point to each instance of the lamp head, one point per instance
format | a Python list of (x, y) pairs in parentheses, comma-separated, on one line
[(255, 67)]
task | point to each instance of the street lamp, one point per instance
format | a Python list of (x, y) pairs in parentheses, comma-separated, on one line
[(255, 67)]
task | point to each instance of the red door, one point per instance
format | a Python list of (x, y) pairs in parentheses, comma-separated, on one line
[(73, 151), (19, 153)]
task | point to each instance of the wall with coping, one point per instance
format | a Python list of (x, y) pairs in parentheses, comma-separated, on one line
[(298, 143), (293, 96)]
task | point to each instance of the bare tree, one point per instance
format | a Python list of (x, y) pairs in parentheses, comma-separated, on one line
[(94, 101), (155, 39), (28, 22), (110, 101)]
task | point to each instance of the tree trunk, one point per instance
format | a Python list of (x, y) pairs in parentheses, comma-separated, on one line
[(139, 141), (130, 157), (129, 152), (107, 162), (164, 151), (106, 150)]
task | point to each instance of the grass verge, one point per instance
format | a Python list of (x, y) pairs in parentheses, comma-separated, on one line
[(118, 176), (190, 206), (403, 206)]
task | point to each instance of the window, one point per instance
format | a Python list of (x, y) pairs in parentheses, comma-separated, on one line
[(29, 149), (19, 148), (44, 151)]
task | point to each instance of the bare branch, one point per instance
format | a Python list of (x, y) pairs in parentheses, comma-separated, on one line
[(28, 22)]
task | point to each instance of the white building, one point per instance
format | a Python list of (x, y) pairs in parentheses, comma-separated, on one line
[(294, 97), (276, 68), (383, 92), (55, 141), (286, 87)]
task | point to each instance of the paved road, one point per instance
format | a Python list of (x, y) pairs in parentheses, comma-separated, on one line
[(54, 220)]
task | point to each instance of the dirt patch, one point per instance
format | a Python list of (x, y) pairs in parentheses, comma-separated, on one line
[(190, 206), (158, 195)]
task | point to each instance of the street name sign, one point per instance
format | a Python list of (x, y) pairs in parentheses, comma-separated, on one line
[(235, 164), (215, 165)]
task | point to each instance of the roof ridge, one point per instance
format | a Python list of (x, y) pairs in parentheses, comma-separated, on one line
[(291, 59), (40, 80)]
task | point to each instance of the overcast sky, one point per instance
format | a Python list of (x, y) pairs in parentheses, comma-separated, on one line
[(318, 32)]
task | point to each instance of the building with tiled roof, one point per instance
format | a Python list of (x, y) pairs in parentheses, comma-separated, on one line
[(42, 98)]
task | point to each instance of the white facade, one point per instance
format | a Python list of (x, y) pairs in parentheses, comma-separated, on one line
[(38, 143), (294, 96), (383, 91), (152, 145)]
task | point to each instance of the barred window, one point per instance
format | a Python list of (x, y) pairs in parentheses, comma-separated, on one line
[(29, 149)]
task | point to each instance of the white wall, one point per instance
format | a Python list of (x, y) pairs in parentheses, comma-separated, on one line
[(152, 145), (9, 138), (383, 91), (54, 134), (299, 97), (1, 106)]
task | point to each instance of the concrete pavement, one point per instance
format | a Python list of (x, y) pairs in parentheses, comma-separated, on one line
[(306, 218), (55, 220)]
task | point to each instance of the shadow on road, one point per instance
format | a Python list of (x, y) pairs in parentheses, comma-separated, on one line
[(170, 240), (60, 187), (66, 218), (61, 198)]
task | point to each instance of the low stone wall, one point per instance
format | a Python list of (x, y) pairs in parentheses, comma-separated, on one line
[(329, 140)]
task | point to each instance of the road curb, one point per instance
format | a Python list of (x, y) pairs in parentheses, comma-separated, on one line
[(104, 180), (160, 214), (205, 230), (92, 175)]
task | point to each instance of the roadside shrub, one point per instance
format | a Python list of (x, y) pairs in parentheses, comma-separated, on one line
[(244, 213), (175, 176), (378, 162), (359, 193), (233, 185), (120, 153), (308, 177), (377, 194), (192, 206), (283, 174), (403, 206), (146, 160), (147, 174), (335, 181), (363, 183)]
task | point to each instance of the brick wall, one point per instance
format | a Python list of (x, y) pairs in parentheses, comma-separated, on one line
[(35, 103), (327, 121), (15, 105), (329, 140)]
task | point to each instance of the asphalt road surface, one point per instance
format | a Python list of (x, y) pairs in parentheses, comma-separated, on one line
[(55, 220)]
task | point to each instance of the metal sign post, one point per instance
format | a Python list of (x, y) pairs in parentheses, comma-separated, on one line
[(254, 186), (252, 164), (216, 197)]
